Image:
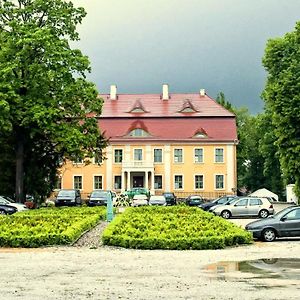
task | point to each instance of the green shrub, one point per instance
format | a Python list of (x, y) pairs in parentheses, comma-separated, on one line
[(48, 226), (177, 227)]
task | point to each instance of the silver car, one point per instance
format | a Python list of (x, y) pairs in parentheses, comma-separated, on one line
[(245, 207), (158, 200)]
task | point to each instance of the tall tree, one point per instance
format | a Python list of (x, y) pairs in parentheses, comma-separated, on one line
[(52, 107), (282, 99)]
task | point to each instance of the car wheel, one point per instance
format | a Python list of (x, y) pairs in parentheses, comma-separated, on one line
[(269, 235), (226, 214), (263, 214), (2, 212)]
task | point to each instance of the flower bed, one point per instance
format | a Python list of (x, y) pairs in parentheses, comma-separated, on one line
[(176, 227), (49, 226)]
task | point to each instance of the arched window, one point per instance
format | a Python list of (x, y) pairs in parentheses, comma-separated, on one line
[(138, 132)]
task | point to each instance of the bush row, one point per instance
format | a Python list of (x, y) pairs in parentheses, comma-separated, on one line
[(172, 228), (51, 226)]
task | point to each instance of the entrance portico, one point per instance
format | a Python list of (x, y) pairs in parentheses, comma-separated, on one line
[(137, 174)]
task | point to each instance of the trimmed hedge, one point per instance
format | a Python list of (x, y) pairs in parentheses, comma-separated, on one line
[(48, 226), (175, 227)]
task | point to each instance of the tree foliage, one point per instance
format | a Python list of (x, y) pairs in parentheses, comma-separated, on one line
[(257, 160), (46, 104), (282, 99)]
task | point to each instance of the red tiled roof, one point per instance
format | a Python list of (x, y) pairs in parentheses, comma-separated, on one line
[(154, 106), (170, 129)]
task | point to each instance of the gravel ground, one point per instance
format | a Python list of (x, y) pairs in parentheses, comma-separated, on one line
[(89, 270)]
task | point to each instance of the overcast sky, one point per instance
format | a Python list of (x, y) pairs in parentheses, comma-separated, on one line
[(189, 44)]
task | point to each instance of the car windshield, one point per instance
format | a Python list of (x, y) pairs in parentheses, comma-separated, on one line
[(66, 193), (284, 211), (3, 201), (168, 195), (230, 201), (99, 194)]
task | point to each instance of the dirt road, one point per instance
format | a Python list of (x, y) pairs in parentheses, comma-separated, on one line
[(110, 273)]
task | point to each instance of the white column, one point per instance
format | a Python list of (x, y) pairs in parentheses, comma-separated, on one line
[(128, 180), (146, 180), (230, 164), (152, 183), (123, 182), (109, 175), (167, 163)]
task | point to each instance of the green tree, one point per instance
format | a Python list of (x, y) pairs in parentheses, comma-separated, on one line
[(282, 99), (52, 107)]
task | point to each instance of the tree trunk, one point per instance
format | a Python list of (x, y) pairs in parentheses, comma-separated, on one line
[(20, 168)]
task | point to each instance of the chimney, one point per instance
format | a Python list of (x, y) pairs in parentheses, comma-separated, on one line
[(113, 92), (202, 92), (165, 92)]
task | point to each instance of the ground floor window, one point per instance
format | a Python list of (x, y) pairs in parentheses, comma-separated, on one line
[(158, 182), (98, 182), (58, 184), (178, 182), (77, 183), (219, 181), (199, 182), (118, 182)]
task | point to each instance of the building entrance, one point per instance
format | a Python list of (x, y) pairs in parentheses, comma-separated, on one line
[(138, 181)]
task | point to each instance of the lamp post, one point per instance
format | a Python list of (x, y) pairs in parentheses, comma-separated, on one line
[(109, 209)]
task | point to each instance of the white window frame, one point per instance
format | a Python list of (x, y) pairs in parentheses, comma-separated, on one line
[(162, 182), (198, 189), (178, 189), (198, 162), (215, 181), (75, 175), (61, 183), (162, 156), (115, 155), (100, 175), (215, 155), (134, 149), (182, 151), (95, 163), (115, 182)]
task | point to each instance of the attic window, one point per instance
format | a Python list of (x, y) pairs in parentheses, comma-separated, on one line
[(200, 133), (137, 107), (188, 107), (138, 132)]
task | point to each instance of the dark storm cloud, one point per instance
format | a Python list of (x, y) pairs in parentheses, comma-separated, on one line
[(190, 44)]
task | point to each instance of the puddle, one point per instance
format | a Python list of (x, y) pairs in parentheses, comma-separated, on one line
[(275, 272)]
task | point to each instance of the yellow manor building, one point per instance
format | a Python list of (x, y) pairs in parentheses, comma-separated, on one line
[(181, 143)]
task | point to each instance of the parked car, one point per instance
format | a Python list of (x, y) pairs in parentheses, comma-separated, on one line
[(245, 207), (137, 191), (194, 200), (8, 201), (7, 209), (158, 200), (285, 223), (68, 198), (139, 200), (219, 201), (100, 197), (170, 198), (229, 201)]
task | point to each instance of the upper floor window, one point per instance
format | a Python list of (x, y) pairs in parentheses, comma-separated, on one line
[(138, 132), (178, 155), (157, 155), (219, 155), (198, 155), (118, 155), (138, 154), (98, 157)]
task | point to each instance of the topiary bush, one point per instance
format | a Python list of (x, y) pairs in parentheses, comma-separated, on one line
[(174, 227)]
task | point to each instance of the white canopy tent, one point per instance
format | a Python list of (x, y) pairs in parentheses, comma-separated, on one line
[(264, 193)]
